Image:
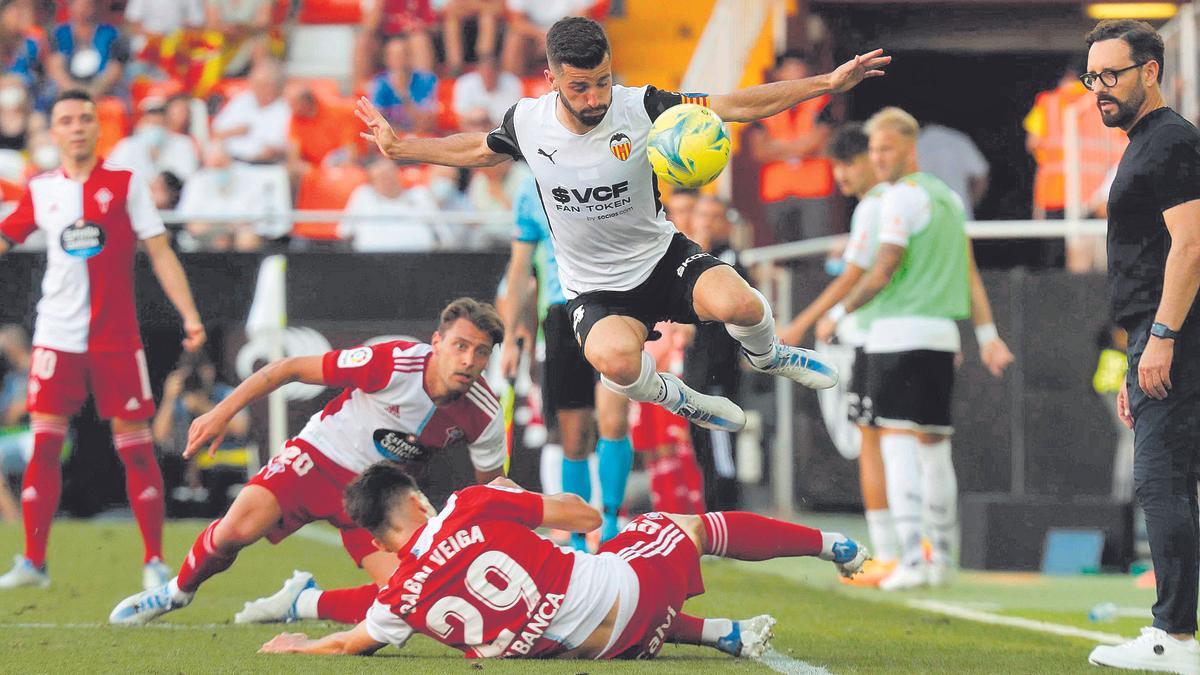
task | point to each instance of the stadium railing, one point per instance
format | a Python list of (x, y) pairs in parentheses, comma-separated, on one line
[(770, 269)]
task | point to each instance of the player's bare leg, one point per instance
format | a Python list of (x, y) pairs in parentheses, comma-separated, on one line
[(250, 517), (721, 295), (40, 492), (614, 348), (144, 488)]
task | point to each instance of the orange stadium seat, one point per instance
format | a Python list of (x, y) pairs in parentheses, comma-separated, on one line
[(10, 191), (326, 188), (447, 119), (114, 123), (325, 88), (534, 85), (413, 175), (330, 11)]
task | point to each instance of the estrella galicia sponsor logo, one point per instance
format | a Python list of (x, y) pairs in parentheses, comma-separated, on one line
[(399, 446), (83, 239), (620, 145), (592, 199)]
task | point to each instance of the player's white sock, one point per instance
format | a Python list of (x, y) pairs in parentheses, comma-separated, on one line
[(550, 468), (178, 596), (648, 387), (940, 487), (715, 629), (758, 340), (903, 471), (306, 603), (882, 531)]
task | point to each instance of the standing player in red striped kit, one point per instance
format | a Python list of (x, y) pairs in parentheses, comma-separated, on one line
[(86, 337)]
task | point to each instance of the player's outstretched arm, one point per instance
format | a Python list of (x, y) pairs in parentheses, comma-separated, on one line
[(209, 428), (764, 100), (461, 150), (992, 350), (355, 641), (563, 511), (174, 282)]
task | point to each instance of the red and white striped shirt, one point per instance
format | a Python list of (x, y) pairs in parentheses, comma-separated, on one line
[(92, 229), (385, 412)]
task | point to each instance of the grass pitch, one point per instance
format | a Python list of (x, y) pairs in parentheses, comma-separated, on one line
[(822, 624)]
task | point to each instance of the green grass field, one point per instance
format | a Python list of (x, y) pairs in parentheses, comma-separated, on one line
[(821, 622)]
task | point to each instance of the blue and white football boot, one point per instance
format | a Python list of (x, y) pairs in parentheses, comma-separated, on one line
[(146, 606), (847, 555), (24, 573), (802, 366), (280, 607), (749, 638), (710, 412)]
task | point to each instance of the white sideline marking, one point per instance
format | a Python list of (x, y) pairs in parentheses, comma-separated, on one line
[(789, 666), (93, 626), (957, 611)]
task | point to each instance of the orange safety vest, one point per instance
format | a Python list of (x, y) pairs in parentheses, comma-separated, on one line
[(1100, 147), (809, 178)]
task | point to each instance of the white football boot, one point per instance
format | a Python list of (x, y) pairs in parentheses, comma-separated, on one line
[(280, 607), (710, 412), (750, 638), (905, 577), (155, 573), (802, 366), (1153, 650), (24, 573), (146, 606)]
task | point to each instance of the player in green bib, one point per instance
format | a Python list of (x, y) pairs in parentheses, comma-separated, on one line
[(922, 281)]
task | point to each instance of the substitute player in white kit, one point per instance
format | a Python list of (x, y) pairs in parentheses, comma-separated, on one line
[(477, 578), (86, 338), (622, 264), (402, 402)]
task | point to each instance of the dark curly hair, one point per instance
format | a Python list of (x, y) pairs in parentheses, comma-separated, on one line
[(369, 497), (576, 41)]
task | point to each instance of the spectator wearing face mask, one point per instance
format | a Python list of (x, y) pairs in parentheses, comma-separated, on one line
[(221, 189), (15, 112), (43, 153), (406, 95), (153, 149), (86, 54), (20, 47)]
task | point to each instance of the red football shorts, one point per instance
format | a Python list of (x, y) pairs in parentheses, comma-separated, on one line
[(653, 427), (59, 383), (308, 486), (667, 566)]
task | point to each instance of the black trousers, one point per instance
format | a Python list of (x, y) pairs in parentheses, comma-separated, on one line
[(716, 453), (1166, 467)]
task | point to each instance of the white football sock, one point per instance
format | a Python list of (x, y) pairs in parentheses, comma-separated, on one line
[(550, 468), (758, 340), (940, 487), (903, 472), (882, 532), (715, 629), (177, 595), (648, 387), (306, 603)]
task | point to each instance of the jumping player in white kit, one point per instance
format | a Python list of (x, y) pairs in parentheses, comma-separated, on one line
[(622, 264), (402, 402), (477, 578)]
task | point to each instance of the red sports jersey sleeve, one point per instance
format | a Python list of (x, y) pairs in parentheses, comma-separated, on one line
[(477, 578), (20, 223), (365, 368)]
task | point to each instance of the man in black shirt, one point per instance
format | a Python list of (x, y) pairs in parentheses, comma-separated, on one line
[(1154, 272), (712, 362)]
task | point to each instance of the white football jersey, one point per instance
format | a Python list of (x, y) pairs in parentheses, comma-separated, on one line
[(384, 412), (600, 194)]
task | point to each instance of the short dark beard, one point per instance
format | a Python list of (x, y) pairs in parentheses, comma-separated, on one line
[(586, 120), (1127, 110)]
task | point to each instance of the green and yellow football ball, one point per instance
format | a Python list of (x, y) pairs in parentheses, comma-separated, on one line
[(688, 146)]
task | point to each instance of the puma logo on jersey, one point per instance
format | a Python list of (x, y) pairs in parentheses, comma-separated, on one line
[(549, 156)]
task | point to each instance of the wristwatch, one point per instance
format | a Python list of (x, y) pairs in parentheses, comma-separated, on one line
[(1160, 330)]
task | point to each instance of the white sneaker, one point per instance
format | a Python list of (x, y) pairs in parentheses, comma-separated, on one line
[(1155, 650), (280, 607), (905, 577), (709, 412), (803, 366), (146, 606), (24, 573), (750, 638), (155, 574), (941, 575)]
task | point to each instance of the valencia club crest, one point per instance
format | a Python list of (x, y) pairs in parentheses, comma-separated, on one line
[(620, 145)]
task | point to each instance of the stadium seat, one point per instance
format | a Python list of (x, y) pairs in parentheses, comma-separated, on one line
[(114, 123), (447, 119), (412, 175), (330, 11), (534, 86), (327, 89), (326, 188), (321, 51), (10, 191)]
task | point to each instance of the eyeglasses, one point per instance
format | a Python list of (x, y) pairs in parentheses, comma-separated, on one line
[(1107, 77)]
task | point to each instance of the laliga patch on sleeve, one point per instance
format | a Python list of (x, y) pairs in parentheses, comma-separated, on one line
[(353, 358)]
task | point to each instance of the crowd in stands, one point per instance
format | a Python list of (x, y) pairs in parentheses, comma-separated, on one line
[(201, 98)]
